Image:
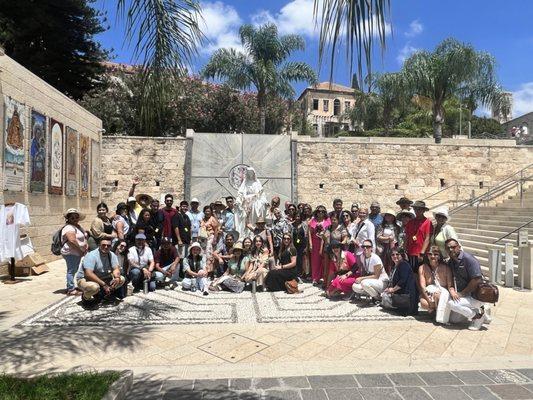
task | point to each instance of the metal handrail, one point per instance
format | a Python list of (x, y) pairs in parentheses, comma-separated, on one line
[(500, 187), (513, 231), (440, 191)]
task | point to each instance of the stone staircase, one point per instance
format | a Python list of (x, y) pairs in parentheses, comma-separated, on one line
[(494, 222)]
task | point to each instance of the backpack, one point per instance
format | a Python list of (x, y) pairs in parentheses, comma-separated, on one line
[(57, 243)]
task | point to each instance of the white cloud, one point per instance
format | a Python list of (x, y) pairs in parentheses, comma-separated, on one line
[(220, 25), (296, 17), (405, 52), (523, 99), (415, 28)]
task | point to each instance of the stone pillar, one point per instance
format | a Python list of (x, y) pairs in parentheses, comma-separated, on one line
[(525, 266)]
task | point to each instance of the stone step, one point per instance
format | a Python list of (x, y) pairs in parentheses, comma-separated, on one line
[(503, 227), (495, 211), (488, 239), (495, 217), (476, 244)]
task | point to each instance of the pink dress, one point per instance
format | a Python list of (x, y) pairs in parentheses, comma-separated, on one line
[(317, 265), (345, 285)]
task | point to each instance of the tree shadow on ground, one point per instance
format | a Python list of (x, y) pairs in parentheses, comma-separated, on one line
[(35, 348)]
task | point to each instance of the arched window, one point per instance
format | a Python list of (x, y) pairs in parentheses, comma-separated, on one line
[(336, 107)]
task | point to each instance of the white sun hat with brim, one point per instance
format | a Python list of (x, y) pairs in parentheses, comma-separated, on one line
[(74, 211), (193, 245), (442, 211)]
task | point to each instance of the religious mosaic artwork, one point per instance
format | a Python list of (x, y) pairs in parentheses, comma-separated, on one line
[(71, 162), (15, 120), (37, 152), (236, 175), (95, 168), (184, 307), (84, 165), (56, 157)]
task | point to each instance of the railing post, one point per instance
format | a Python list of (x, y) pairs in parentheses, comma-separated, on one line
[(495, 266), (477, 216), (522, 188), (509, 265)]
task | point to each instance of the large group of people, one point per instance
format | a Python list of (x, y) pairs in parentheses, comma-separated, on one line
[(399, 259)]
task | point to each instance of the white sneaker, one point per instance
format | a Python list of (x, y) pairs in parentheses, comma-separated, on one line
[(488, 317), (475, 325)]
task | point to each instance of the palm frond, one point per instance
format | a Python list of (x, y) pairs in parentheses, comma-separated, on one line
[(356, 22), (166, 36)]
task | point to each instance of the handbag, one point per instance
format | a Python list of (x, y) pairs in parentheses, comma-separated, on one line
[(486, 292), (401, 300), (292, 286)]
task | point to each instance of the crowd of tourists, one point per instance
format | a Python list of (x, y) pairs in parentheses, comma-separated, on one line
[(398, 259)]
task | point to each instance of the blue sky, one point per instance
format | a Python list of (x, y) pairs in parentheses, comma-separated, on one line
[(414, 24)]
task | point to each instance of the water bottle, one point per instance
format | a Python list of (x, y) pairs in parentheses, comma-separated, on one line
[(193, 285), (254, 286), (129, 291), (145, 286)]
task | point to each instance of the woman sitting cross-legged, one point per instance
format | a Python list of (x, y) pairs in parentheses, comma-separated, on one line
[(434, 277), (194, 268), (374, 278), (231, 280), (342, 269), (402, 293), (257, 263), (285, 269)]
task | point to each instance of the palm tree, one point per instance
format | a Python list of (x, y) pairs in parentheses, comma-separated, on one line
[(166, 37), (454, 69), (262, 65), (357, 23)]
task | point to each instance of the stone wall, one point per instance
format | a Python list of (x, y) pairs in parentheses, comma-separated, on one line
[(384, 169), (158, 162), (45, 210)]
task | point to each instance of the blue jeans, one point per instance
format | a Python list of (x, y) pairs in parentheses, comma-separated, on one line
[(137, 280), (73, 263), (159, 277)]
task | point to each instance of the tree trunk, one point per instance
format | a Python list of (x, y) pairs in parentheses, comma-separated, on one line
[(262, 111), (438, 120)]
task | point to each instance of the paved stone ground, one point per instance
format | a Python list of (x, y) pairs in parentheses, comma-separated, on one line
[(259, 350), (461, 385)]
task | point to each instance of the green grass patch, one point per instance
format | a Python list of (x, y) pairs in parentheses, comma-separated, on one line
[(80, 386)]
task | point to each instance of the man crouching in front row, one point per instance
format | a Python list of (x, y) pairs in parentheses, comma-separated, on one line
[(99, 275)]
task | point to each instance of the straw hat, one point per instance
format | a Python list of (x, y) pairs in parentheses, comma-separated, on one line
[(238, 246), (391, 212), (143, 199), (74, 211)]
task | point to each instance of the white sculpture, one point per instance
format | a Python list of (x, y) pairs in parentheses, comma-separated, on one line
[(251, 203)]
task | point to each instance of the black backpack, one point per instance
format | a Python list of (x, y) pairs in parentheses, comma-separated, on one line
[(57, 243)]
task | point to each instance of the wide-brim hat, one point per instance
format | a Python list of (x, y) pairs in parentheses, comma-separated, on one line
[(420, 204), (218, 204), (405, 212), (238, 246), (194, 200), (143, 198), (390, 211), (441, 211), (74, 211), (140, 236), (404, 200), (193, 245)]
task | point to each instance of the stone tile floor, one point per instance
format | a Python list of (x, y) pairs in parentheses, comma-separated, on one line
[(262, 350), (458, 385)]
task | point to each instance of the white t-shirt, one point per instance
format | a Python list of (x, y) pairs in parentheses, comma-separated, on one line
[(369, 264), (140, 258), (80, 238), (11, 218)]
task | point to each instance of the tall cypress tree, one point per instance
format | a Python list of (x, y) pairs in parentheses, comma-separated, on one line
[(55, 40)]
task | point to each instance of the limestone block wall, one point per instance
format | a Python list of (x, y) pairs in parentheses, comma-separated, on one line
[(384, 169), (158, 162), (45, 209)]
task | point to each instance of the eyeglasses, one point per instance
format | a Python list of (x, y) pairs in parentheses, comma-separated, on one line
[(434, 254), (286, 238), (395, 255), (105, 245), (366, 246), (451, 247)]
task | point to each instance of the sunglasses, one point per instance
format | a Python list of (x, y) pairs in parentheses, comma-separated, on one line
[(366, 247), (451, 247), (395, 255), (286, 238), (434, 254), (105, 245)]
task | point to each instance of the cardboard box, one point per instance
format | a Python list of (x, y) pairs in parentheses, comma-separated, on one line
[(39, 269), (31, 260), (22, 271)]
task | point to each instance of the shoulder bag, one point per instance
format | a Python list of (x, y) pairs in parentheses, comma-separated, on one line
[(486, 292), (292, 286)]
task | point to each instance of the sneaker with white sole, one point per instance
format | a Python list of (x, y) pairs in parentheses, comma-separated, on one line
[(475, 325)]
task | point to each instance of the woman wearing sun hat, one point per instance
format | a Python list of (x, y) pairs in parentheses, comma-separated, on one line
[(442, 230), (387, 238), (74, 240)]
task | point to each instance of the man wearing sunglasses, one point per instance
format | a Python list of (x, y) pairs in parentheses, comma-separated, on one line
[(99, 275)]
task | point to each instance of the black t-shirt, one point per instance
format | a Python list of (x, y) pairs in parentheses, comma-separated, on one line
[(285, 256), (165, 258), (183, 223)]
